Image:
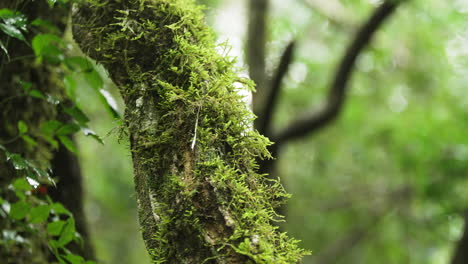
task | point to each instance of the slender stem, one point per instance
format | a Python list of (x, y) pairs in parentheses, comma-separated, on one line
[(338, 91)]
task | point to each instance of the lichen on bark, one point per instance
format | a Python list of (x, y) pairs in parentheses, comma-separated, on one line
[(200, 198)]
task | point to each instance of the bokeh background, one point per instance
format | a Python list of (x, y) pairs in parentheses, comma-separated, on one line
[(386, 183)]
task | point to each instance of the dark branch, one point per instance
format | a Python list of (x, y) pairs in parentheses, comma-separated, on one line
[(256, 44), (337, 93), (461, 252), (265, 118)]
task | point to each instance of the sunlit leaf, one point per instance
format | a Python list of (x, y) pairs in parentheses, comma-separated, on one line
[(19, 210), (68, 232), (22, 185), (90, 133), (55, 228), (51, 3), (109, 102), (18, 162), (39, 214), (59, 209), (12, 31), (48, 47)]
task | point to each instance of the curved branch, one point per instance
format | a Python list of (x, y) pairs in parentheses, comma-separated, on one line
[(265, 118), (337, 93), (256, 43)]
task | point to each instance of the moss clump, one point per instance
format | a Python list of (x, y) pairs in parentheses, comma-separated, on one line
[(193, 149)]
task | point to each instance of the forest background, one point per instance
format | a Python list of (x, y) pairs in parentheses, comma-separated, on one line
[(387, 180)]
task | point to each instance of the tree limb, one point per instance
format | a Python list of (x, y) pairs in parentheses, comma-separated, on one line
[(265, 118), (256, 43), (337, 93)]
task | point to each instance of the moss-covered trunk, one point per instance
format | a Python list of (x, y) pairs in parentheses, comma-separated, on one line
[(200, 199)]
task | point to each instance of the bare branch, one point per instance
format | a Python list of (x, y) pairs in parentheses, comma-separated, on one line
[(337, 93), (265, 118), (256, 43)]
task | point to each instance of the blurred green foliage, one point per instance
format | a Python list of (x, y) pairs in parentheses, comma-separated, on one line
[(387, 181)]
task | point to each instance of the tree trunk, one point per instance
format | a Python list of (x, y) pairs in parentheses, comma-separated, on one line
[(15, 106), (200, 199)]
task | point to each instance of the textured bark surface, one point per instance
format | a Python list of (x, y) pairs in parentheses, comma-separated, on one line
[(200, 199)]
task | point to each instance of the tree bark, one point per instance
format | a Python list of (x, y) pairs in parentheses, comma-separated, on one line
[(199, 197)]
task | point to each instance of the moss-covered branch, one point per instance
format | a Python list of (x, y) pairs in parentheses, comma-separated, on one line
[(200, 199)]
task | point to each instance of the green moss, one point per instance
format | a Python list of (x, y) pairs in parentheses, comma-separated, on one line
[(200, 205)]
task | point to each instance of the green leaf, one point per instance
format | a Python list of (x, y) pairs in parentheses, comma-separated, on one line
[(26, 86), (16, 18), (79, 64), (74, 259), (68, 232), (109, 102), (22, 127), (19, 210), (89, 133), (29, 140), (18, 162), (50, 127), (51, 3), (21, 185), (55, 228), (93, 79), (12, 31), (68, 143), (90, 262), (6, 13), (45, 24), (59, 209), (39, 214), (70, 86), (47, 46), (68, 129), (76, 113), (37, 94)]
